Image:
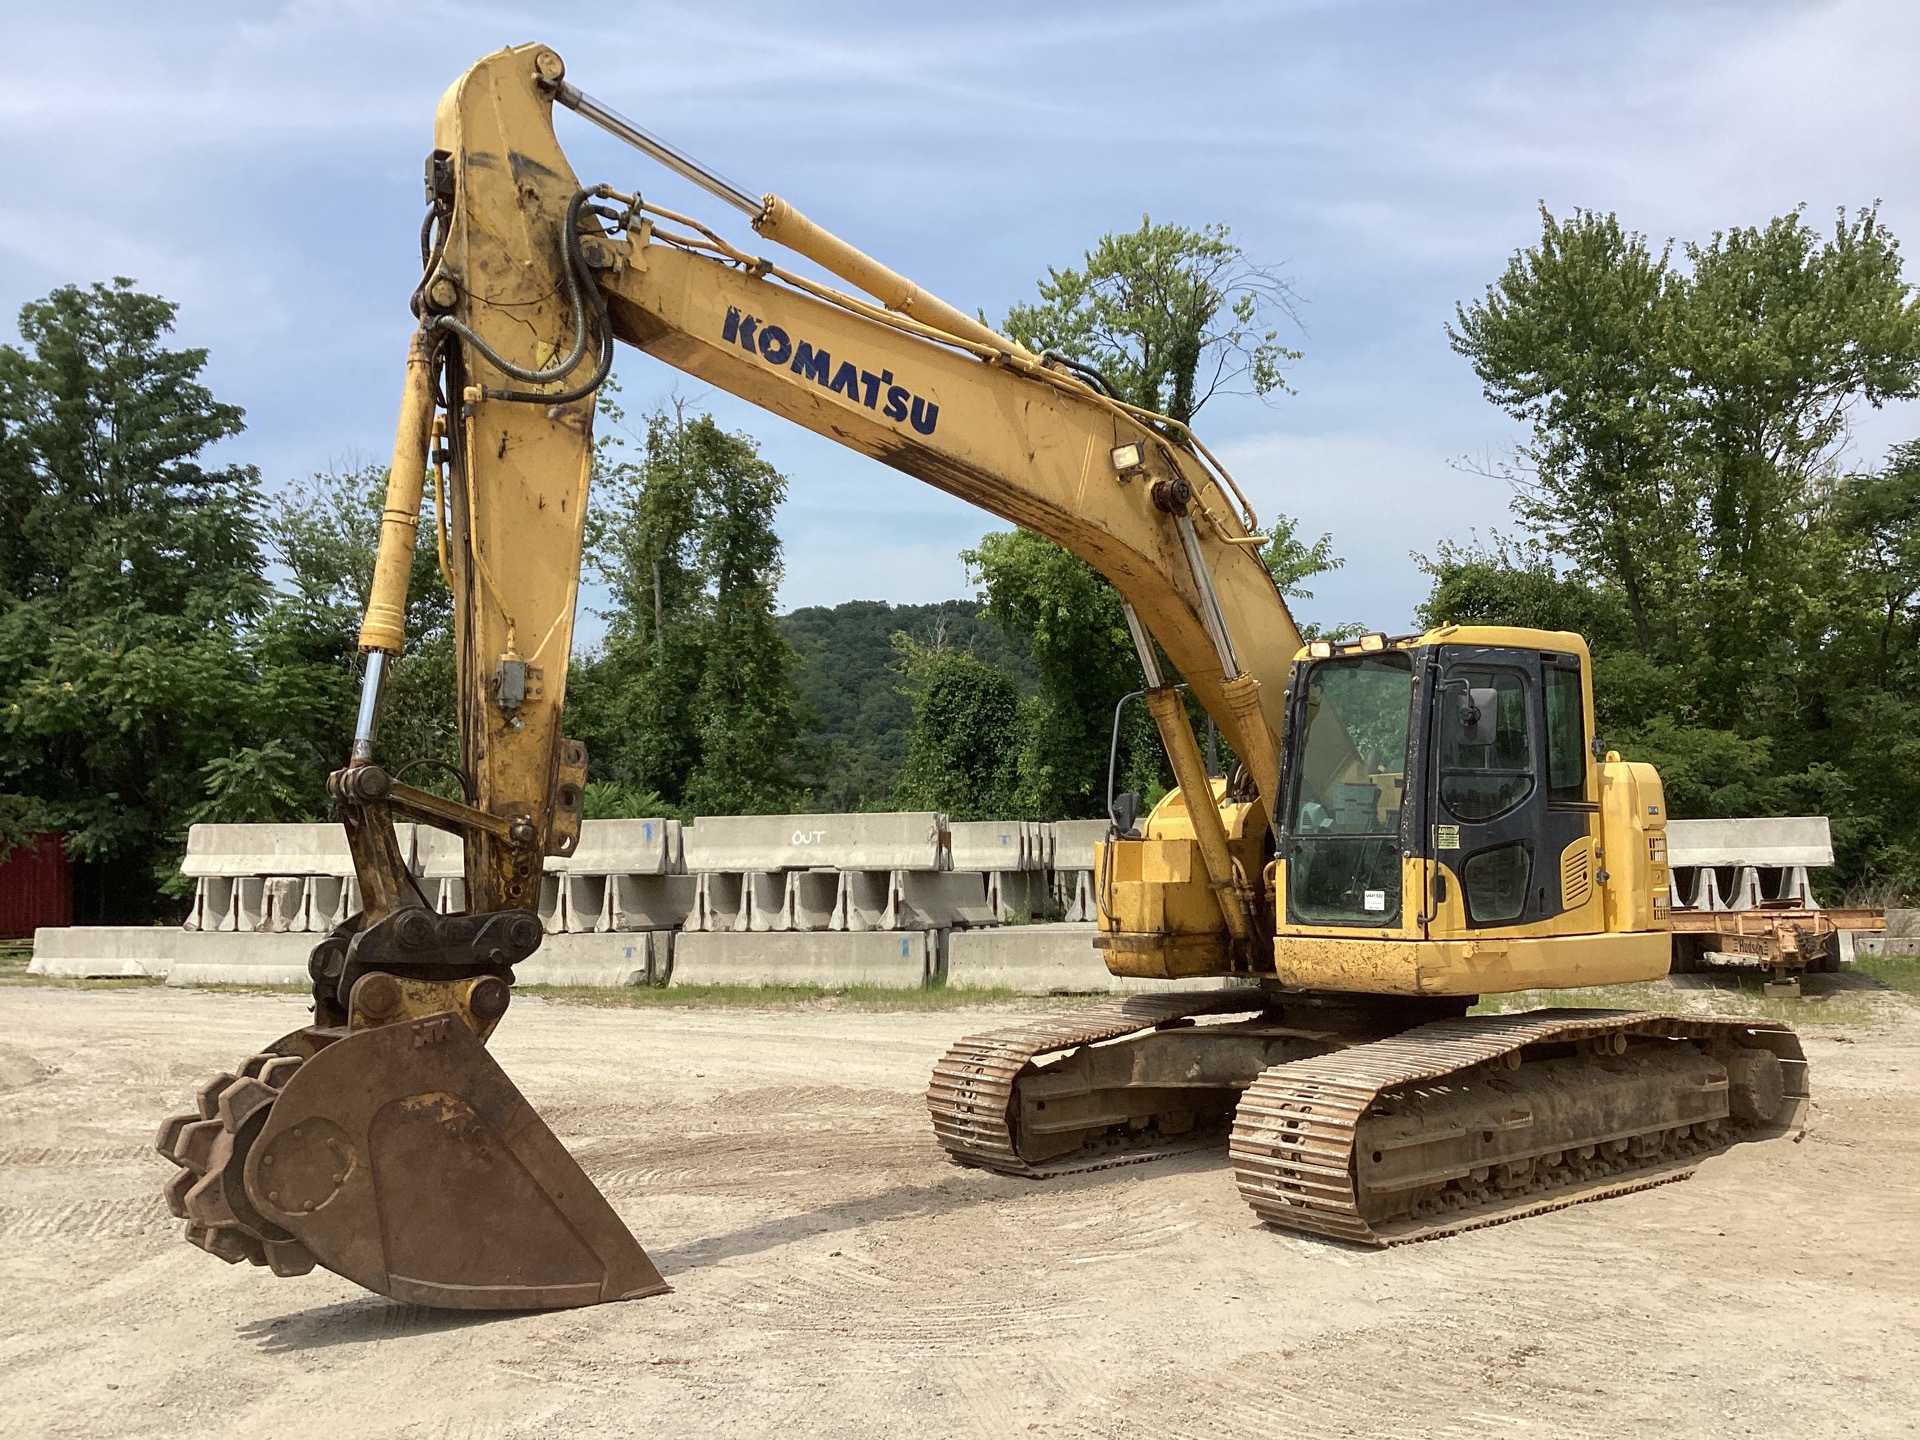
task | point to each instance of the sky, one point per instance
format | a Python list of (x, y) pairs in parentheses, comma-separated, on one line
[(259, 164)]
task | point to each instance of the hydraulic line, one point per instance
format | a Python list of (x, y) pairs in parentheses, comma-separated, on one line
[(580, 284)]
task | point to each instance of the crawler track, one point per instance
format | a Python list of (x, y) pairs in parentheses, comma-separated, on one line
[(972, 1093), (1301, 1145)]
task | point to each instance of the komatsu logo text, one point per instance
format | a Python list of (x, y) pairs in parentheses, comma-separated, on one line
[(862, 387)]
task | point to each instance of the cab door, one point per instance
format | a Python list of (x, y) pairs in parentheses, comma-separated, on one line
[(1507, 784)]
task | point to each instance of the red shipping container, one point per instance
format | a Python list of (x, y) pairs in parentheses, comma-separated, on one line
[(36, 888)]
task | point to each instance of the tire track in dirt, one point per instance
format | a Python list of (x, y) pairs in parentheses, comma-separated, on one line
[(25, 1156), (91, 1219)]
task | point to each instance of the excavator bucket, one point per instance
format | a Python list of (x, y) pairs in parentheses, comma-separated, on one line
[(403, 1158)]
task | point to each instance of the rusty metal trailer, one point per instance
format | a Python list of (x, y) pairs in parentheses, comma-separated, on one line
[(1784, 941)]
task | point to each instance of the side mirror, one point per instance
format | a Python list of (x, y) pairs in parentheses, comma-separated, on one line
[(1125, 810), (1479, 713)]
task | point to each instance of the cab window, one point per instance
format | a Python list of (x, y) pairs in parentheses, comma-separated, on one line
[(1486, 759), (1566, 736), (1349, 760)]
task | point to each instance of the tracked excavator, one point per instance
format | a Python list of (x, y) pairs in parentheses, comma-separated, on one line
[(1413, 821)]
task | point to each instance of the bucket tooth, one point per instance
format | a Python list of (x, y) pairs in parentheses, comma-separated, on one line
[(402, 1158)]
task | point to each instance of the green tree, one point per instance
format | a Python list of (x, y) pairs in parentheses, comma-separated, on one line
[(130, 572), (1748, 606), (1570, 340), (1292, 562), (848, 674), (635, 702), (1171, 316), (692, 697), (324, 531), (1068, 619), (964, 745), (748, 707)]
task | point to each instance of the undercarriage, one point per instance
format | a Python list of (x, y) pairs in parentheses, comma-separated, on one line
[(1345, 1120)]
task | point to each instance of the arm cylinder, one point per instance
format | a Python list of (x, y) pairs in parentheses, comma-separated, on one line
[(385, 625)]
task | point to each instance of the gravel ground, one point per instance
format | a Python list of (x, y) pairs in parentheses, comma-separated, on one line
[(834, 1276)]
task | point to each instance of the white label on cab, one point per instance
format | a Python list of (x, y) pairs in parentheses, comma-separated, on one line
[(1375, 900)]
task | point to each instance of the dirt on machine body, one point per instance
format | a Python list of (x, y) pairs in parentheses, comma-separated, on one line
[(1409, 822)]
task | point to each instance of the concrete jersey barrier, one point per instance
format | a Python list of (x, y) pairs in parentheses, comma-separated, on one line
[(1073, 842), (1784, 843), (990, 844), (231, 851), (624, 847), (908, 840)]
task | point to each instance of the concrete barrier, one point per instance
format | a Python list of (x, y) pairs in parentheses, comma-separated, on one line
[(648, 902), (923, 901), (104, 952), (583, 901), (1045, 960), (240, 959), (991, 844), (624, 847), (908, 840), (1780, 843), (1073, 893), (897, 959), (864, 901), (440, 865), (1039, 834), (232, 850), (1020, 896), (608, 961), (1739, 887), (717, 899), (1073, 842), (763, 896), (811, 898)]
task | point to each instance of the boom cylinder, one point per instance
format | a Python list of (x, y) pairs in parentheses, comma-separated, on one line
[(780, 222), (1209, 831)]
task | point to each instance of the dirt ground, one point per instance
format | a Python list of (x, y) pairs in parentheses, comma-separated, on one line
[(834, 1276)]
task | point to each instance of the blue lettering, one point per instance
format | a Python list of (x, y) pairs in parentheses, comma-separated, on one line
[(846, 381), (897, 397), (730, 332), (814, 365), (926, 415), (748, 324), (871, 382), (775, 347)]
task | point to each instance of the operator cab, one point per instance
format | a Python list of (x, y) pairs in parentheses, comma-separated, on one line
[(1467, 747)]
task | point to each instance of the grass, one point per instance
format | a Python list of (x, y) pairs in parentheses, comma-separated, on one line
[(799, 997), (15, 957), (1896, 972)]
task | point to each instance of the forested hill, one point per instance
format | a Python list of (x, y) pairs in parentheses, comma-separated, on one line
[(847, 676)]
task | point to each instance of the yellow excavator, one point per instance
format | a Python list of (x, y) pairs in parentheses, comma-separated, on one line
[(1411, 822)]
